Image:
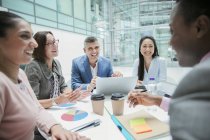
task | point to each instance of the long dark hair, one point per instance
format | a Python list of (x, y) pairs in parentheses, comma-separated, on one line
[(8, 21), (141, 58), (41, 39)]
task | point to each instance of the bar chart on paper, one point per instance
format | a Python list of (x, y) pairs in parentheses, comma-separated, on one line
[(74, 115)]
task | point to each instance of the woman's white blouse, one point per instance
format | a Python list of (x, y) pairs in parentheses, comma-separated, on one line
[(157, 70)]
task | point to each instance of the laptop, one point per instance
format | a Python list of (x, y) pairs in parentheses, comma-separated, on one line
[(109, 85)]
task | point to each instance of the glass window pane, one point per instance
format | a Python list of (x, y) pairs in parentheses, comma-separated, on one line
[(21, 6), (47, 3), (28, 18), (89, 27), (46, 22), (88, 11), (79, 11), (65, 19), (65, 27), (65, 6), (80, 31), (89, 33), (79, 24), (45, 13)]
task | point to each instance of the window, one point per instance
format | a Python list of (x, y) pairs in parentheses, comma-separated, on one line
[(65, 6), (47, 3), (79, 9)]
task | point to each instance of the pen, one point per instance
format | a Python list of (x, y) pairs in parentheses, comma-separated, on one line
[(87, 125)]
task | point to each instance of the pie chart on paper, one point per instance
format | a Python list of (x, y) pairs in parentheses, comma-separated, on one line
[(74, 115)]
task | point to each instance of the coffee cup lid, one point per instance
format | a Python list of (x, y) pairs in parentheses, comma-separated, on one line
[(140, 87), (117, 96), (97, 97)]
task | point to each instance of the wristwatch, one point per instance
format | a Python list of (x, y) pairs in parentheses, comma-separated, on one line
[(53, 102)]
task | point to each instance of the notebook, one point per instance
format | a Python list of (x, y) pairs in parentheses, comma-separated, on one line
[(109, 85), (149, 126)]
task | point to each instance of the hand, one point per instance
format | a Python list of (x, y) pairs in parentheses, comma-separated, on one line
[(62, 99), (84, 94), (139, 82), (68, 96), (92, 84), (58, 133), (143, 98), (117, 74)]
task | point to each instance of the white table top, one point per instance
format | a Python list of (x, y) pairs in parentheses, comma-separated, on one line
[(153, 110), (107, 130)]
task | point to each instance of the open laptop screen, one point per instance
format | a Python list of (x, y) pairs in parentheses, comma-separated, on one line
[(109, 85)]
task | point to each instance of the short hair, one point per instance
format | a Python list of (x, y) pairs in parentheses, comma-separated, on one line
[(41, 39), (7, 21), (191, 9), (141, 58), (90, 39)]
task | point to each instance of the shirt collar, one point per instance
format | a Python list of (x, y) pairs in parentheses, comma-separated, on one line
[(205, 57)]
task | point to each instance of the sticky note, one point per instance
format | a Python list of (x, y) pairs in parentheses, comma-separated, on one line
[(143, 128), (136, 122)]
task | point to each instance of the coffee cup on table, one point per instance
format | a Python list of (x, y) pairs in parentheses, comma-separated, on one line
[(98, 103), (117, 100)]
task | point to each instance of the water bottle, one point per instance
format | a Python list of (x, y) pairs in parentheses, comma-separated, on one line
[(152, 85), (152, 88)]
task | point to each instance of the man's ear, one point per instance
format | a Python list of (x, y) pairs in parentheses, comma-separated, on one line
[(84, 50), (202, 25)]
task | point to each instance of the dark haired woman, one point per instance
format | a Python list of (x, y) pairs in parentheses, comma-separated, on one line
[(149, 64)]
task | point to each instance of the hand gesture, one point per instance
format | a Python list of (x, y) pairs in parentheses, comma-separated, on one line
[(68, 96), (92, 84), (143, 98), (117, 74)]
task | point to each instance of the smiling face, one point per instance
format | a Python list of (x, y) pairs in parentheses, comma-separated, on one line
[(18, 44), (92, 51), (147, 48), (51, 48), (185, 39)]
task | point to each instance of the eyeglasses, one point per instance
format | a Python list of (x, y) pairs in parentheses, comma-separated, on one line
[(54, 42)]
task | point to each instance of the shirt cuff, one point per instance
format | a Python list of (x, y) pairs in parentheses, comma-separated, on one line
[(165, 103)]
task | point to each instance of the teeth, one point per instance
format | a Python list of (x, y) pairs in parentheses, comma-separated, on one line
[(30, 52)]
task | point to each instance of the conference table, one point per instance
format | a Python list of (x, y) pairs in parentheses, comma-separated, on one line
[(107, 130)]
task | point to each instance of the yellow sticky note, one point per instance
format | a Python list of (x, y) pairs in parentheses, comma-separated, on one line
[(143, 128), (136, 122)]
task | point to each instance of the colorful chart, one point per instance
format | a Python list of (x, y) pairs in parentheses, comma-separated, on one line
[(74, 115), (66, 105)]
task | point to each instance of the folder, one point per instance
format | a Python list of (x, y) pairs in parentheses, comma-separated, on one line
[(158, 127), (123, 130)]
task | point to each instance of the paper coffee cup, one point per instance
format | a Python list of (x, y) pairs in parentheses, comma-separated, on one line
[(117, 104), (98, 103)]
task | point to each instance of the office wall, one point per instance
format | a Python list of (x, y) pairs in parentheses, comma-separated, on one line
[(70, 46)]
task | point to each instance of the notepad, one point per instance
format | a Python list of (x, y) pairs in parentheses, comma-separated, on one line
[(139, 126), (158, 128), (136, 122)]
